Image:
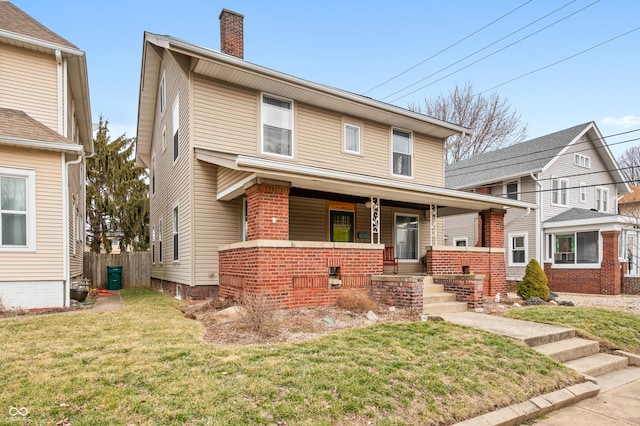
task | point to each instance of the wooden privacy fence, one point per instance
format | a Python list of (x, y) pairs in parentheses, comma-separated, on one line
[(136, 268)]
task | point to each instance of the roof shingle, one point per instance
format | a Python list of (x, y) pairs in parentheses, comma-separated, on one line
[(18, 124), (15, 20)]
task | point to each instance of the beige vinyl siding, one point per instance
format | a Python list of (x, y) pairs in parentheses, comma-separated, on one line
[(307, 219), (46, 263), (214, 223), (227, 178), (173, 180), (76, 213), (29, 82), (461, 226), (227, 119)]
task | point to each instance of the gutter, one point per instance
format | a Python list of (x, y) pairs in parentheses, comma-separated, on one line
[(31, 143), (540, 235)]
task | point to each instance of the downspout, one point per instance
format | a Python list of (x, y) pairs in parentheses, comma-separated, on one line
[(60, 72), (65, 226), (540, 239)]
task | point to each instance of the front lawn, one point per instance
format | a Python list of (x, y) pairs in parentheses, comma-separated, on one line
[(613, 329), (148, 364)]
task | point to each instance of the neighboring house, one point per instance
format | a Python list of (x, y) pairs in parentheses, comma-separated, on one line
[(264, 182), (45, 134), (629, 210), (575, 180)]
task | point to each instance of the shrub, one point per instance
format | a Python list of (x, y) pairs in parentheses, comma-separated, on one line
[(534, 282), (257, 311), (355, 302)]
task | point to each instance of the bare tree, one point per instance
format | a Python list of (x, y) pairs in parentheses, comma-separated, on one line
[(493, 123), (629, 162)]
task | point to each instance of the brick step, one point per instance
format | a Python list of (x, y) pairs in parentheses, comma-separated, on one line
[(598, 364), (438, 298), (569, 349), (432, 288), (444, 308)]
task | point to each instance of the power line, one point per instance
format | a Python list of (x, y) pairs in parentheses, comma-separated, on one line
[(484, 48), (454, 172), (450, 46)]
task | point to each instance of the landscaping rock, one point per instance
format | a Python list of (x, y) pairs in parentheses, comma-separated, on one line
[(552, 296), (533, 301), (328, 320), (565, 303), (371, 316), (229, 314), (553, 302)]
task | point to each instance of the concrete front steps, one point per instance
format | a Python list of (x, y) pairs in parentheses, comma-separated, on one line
[(436, 301)]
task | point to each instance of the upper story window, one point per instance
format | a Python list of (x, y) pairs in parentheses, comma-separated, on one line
[(17, 210), (153, 174), (512, 190), (352, 138), (176, 236), (583, 192), (176, 127), (402, 157), (559, 192), (602, 199), (164, 137), (582, 161), (277, 126), (163, 93)]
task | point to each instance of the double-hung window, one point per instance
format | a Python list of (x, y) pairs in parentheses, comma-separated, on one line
[(153, 244), (160, 241), (559, 191), (176, 127), (518, 249), (277, 126), (583, 192), (402, 157), (602, 199), (176, 239), (163, 93), (352, 138), (407, 245), (17, 209), (511, 190)]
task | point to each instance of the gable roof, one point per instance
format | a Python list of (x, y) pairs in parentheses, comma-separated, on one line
[(632, 197), (17, 128), (236, 71), (575, 213), (532, 156), (16, 21)]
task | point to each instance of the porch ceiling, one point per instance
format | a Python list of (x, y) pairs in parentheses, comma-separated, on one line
[(356, 185)]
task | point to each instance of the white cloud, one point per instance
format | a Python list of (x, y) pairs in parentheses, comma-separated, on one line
[(626, 122)]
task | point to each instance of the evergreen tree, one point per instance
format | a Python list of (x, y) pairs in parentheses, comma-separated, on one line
[(534, 282), (117, 194)]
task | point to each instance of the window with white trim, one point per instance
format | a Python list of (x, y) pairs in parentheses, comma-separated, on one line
[(406, 242), (245, 219), (164, 138), (549, 251), (582, 161), (160, 241), (583, 192), (460, 242), (577, 248), (352, 138), (17, 209), (277, 126), (153, 244), (176, 127), (176, 239), (602, 199), (512, 190), (517, 249), (163, 93), (153, 174), (402, 155), (559, 191)]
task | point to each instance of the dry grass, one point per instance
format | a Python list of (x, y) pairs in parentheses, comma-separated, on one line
[(356, 301)]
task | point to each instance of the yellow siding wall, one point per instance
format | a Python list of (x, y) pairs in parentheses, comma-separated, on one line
[(76, 219), (227, 119), (173, 177), (28, 82), (46, 263)]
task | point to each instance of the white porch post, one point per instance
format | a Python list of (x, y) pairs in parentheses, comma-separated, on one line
[(433, 224), (375, 220)]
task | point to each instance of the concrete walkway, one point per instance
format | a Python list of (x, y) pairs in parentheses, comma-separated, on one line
[(614, 400), (108, 302)]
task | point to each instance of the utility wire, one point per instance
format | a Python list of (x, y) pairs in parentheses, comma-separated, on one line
[(450, 46), (478, 60)]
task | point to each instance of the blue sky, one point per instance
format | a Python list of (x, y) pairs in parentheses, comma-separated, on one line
[(357, 45)]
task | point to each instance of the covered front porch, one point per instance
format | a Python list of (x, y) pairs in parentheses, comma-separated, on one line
[(308, 237)]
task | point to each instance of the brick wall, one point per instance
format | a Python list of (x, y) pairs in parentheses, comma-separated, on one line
[(232, 33), (467, 288), (631, 285), (189, 293), (489, 263), (403, 292), (607, 279), (267, 212), (296, 277), (492, 221)]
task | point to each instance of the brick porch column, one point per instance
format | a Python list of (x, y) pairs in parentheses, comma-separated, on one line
[(610, 269), (267, 212), (492, 228), (492, 236)]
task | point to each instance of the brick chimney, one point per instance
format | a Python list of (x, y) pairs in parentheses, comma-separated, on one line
[(232, 33)]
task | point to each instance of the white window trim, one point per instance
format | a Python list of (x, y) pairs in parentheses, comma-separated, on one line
[(344, 139), (518, 190), (30, 176), (293, 144), (412, 153), (175, 221), (395, 234), (465, 239), (245, 220), (175, 128), (162, 89), (153, 174), (583, 192), (160, 254), (605, 193), (511, 248), (548, 256), (576, 265), (164, 137), (153, 244), (559, 190), (584, 159)]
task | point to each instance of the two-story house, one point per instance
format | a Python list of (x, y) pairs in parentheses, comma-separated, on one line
[(268, 183), (574, 179), (45, 134)]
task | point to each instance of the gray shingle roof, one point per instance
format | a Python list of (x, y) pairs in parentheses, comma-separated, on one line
[(578, 214), (18, 124), (15, 20), (515, 160)]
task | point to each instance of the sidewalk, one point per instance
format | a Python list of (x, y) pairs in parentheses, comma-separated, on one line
[(105, 302)]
